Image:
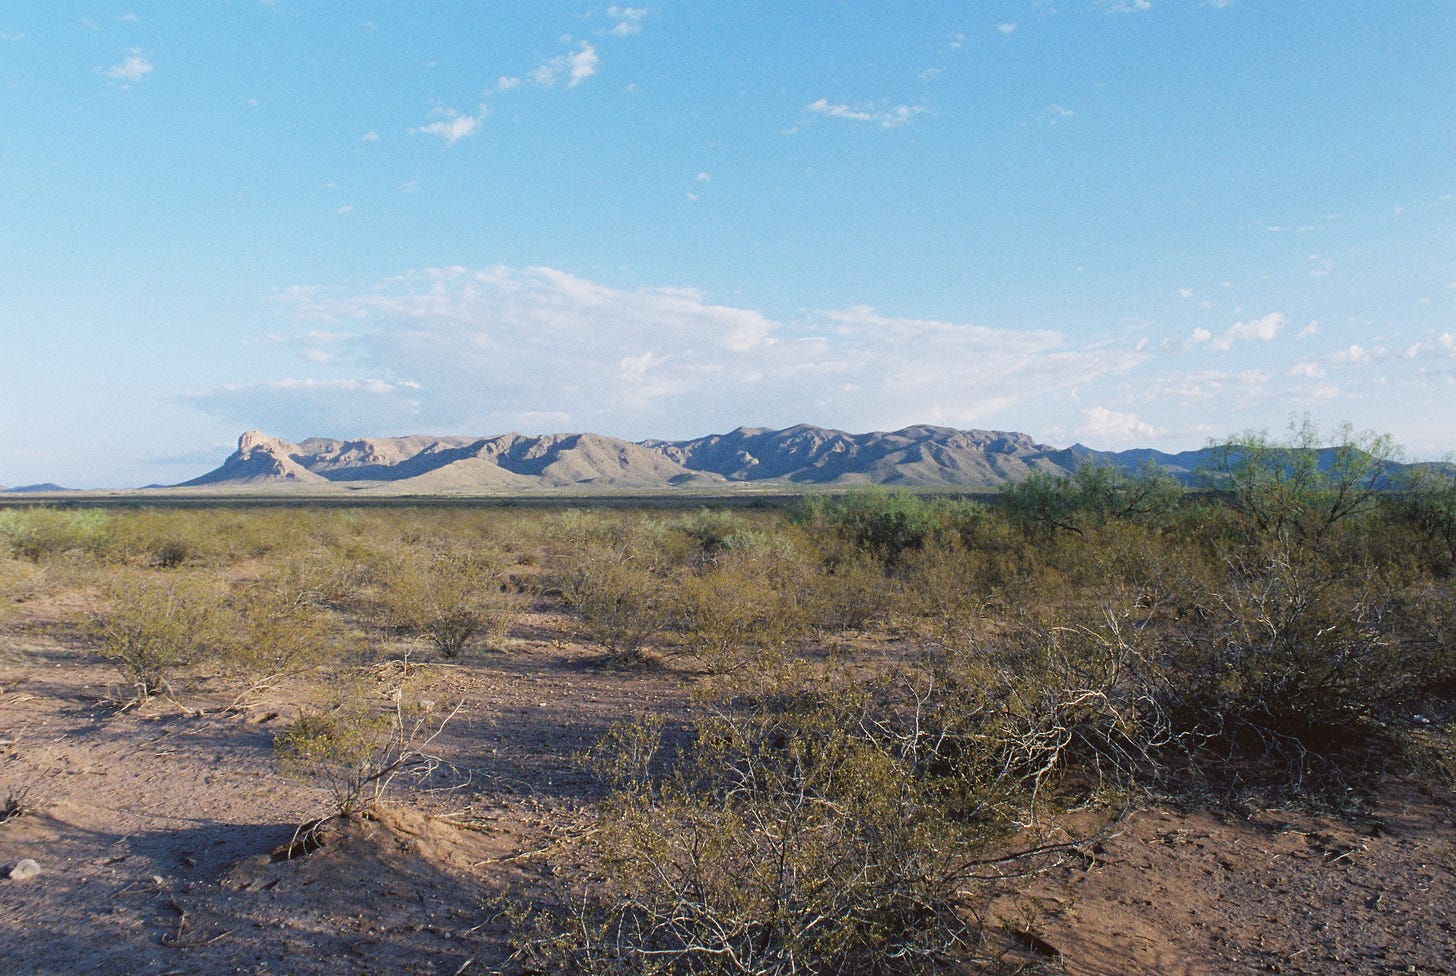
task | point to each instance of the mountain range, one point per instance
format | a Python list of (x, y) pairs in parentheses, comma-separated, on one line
[(916, 457)]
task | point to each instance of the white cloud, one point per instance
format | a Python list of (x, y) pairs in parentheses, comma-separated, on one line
[(12, 37), (347, 208), (1262, 329), (887, 118), (1353, 355), (1185, 292), (452, 127), (583, 64), (301, 407), (957, 40), (577, 65), (704, 176), (1059, 113), (629, 19), (1110, 426), (1006, 27), (1438, 347), (370, 136), (1309, 330), (132, 69), (1124, 6), (1234, 388), (1307, 370), (489, 349), (507, 82)]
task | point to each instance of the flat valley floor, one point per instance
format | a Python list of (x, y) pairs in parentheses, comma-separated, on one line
[(153, 829)]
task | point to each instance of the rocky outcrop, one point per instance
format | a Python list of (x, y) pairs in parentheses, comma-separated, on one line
[(922, 456), (259, 460)]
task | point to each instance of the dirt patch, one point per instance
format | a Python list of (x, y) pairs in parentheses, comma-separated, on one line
[(155, 831)]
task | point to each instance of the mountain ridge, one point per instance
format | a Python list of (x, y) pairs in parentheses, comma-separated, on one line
[(804, 455)]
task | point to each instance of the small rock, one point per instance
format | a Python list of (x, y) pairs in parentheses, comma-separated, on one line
[(24, 869)]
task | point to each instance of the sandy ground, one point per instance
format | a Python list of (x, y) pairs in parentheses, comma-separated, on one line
[(153, 830)]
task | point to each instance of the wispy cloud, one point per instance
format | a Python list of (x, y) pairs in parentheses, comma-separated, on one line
[(282, 406), (1262, 329), (1124, 6), (629, 19), (130, 70), (577, 66), (1355, 355), (1439, 347), (1113, 427), (490, 349), (1006, 27), (451, 127), (886, 118)]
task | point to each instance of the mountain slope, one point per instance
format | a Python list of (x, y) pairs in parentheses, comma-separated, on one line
[(259, 460), (921, 456)]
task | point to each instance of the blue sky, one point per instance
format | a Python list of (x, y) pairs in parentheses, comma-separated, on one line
[(1120, 222)]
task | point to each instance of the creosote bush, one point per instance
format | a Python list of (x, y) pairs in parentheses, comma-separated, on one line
[(451, 597), (787, 838), (739, 608), (276, 632), (360, 743), (616, 578), (153, 628), (37, 533), (1092, 495)]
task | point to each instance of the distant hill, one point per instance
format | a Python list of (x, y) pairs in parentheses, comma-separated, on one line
[(915, 457), (27, 489)]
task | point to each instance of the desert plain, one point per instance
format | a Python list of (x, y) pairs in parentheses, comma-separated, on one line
[(467, 740)]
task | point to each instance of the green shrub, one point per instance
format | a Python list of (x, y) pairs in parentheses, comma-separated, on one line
[(275, 632), (785, 841), (151, 629), (1297, 490), (1289, 656), (738, 608), (883, 523), (616, 577), (1424, 503), (36, 533), (620, 601), (714, 531), (450, 597), (358, 744), (1091, 496)]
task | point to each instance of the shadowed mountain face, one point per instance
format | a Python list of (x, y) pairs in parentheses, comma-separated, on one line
[(920, 456)]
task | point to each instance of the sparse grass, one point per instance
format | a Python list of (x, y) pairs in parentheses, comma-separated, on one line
[(821, 811), (18, 801), (452, 597), (152, 629), (360, 742)]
